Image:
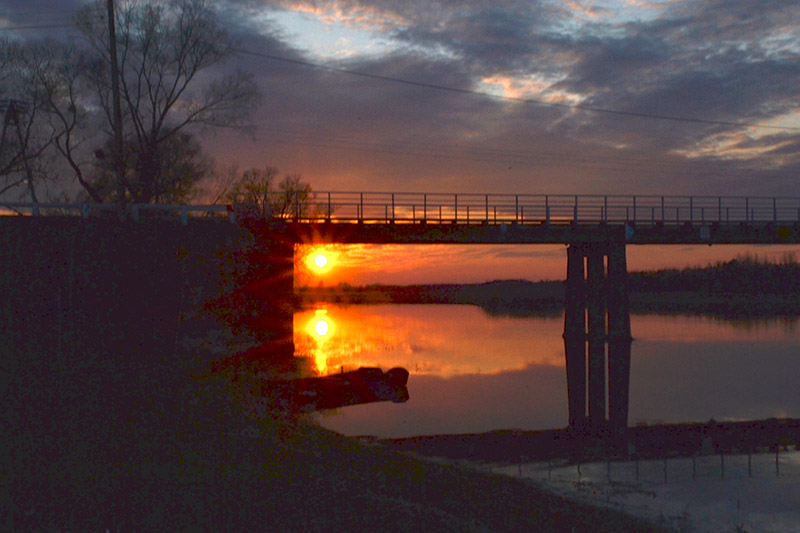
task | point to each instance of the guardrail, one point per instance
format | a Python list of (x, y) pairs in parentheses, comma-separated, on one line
[(380, 207)]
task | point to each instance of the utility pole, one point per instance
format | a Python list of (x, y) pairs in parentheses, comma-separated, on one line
[(118, 162)]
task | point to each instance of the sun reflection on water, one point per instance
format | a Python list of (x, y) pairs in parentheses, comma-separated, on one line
[(424, 339)]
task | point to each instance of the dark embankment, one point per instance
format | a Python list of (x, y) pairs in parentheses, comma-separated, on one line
[(113, 420), (645, 442)]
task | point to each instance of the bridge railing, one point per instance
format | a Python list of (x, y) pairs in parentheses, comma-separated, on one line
[(408, 207), (554, 209)]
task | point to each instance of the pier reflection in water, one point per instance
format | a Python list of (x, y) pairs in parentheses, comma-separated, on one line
[(472, 373)]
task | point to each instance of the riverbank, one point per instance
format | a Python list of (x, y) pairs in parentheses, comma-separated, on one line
[(521, 299), (638, 442)]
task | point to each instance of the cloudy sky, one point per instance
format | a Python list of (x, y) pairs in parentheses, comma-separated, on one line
[(537, 96)]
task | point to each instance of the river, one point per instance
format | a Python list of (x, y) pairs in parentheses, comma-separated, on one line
[(471, 372)]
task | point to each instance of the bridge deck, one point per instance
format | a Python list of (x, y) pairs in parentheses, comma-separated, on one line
[(309, 232)]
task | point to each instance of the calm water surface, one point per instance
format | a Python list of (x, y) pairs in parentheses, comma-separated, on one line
[(472, 373)]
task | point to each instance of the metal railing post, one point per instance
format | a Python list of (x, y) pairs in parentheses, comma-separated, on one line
[(547, 209), (487, 208), (575, 211), (392, 207), (361, 209), (774, 210)]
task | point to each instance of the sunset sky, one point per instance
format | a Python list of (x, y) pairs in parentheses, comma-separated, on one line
[(540, 96)]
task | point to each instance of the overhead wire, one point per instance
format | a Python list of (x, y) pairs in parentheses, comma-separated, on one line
[(533, 101)]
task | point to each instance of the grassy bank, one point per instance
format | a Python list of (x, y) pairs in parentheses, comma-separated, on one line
[(114, 420)]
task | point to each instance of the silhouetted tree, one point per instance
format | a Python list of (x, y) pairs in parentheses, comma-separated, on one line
[(257, 190), (165, 50)]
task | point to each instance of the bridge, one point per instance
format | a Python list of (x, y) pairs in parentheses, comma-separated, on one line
[(429, 218), (595, 228)]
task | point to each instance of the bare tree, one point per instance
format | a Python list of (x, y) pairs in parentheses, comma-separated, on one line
[(167, 52), (256, 190), (21, 142)]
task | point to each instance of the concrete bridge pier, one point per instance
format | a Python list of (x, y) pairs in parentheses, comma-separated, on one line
[(597, 316)]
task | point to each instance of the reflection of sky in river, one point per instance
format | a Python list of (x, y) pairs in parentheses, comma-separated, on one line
[(473, 373)]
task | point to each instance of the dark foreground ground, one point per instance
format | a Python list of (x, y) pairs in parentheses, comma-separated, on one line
[(113, 420)]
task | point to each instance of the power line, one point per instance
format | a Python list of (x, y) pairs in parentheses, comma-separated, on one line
[(531, 101), (35, 27)]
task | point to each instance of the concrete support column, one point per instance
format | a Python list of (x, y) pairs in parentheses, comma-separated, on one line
[(619, 337), (595, 304), (575, 335), (596, 310)]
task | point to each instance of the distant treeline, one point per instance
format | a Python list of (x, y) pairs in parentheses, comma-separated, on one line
[(743, 275), (743, 287), (507, 298)]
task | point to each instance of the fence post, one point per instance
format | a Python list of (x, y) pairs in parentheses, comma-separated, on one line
[(392, 207), (361, 209), (487, 208)]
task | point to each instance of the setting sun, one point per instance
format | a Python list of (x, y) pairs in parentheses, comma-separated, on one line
[(320, 261), (321, 327)]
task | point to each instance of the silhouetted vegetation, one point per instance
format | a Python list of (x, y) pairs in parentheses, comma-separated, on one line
[(498, 298), (743, 275)]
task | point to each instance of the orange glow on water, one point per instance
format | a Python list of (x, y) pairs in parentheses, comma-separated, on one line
[(425, 339)]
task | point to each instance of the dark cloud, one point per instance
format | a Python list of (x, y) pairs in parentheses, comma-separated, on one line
[(711, 61)]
